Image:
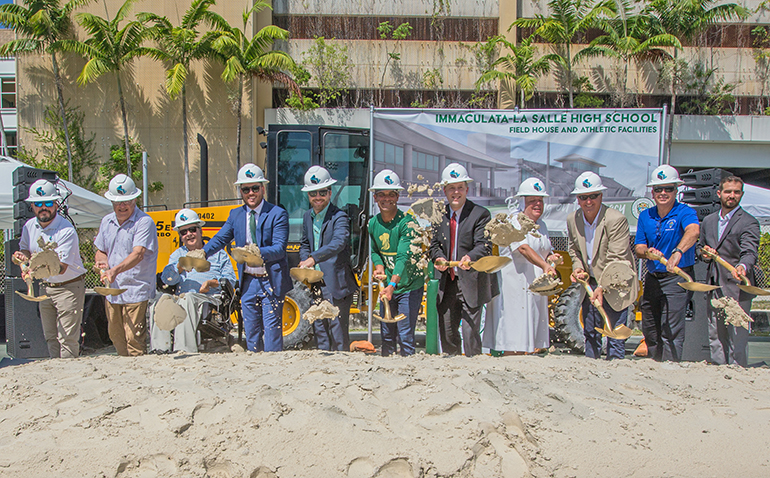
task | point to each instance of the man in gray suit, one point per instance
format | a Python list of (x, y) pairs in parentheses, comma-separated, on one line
[(733, 234), (462, 291), (325, 245)]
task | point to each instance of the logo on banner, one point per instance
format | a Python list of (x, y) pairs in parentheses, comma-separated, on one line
[(640, 205)]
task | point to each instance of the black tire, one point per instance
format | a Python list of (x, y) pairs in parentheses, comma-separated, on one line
[(566, 318), (302, 336)]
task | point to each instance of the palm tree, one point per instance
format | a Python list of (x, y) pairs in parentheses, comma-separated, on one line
[(519, 68), (627, 37), (179, 46), (109, 49), (243, 57), (39, 24), (567, 20), (685, 19)]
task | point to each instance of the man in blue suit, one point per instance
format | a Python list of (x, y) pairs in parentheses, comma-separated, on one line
[(325, 245), (263, 288)]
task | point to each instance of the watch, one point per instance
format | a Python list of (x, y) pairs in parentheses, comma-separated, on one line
[(676, 249)]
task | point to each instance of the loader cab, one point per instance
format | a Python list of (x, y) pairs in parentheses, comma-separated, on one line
[(344, 152)]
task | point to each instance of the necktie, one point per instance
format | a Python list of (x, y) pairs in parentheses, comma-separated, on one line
[(253, 226), (452, 233)]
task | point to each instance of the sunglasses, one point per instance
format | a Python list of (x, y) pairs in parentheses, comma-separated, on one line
[(668, 189), (322, 193), (41, 203), (254, 189), (586, 197), (184, 232)]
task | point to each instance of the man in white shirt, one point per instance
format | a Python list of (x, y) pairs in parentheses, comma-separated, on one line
[(62, 314)]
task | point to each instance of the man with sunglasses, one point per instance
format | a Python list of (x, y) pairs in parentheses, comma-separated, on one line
[(61, 316), (669, 229), (195, 291), (263, 288), (325, 245), (127, 254), (598, 235), (734, 234)]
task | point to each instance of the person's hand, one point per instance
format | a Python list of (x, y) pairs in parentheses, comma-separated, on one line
[(465, 263), (597, 299), (555, 259), (206, 286), (550, 270), (652, 253), (102, 265), (20, 256), (578, 274), (379, 273), (25, 273), (673, 261), (109, 276), (387, 293), (739, 273), (709, 249), (440, 264), (307, 263)]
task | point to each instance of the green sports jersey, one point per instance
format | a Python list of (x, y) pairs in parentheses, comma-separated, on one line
[(391, 243)]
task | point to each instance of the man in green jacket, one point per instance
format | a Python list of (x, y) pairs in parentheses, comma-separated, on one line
[(395, 263)]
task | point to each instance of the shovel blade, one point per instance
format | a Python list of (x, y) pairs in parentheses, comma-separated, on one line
[(490, 264), (697, 286), (753, 289), (622, 332), (105, 291), (31, 298)]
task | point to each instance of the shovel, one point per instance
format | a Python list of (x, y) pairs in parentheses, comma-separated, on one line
[(189, 263), (105, 291), (388, 317), (488, 264), (746, 286), (621, 332), (30, 295), (690, 284), (306, 275)]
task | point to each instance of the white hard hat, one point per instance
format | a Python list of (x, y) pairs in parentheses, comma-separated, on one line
[(250, 173), (455, 173), (588, 182), (664, 174), (186, 217), (386, 180), (122, 188), (43, 190), (532, 187), (317, 177)]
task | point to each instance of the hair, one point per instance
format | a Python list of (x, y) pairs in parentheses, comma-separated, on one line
[(730, 179)]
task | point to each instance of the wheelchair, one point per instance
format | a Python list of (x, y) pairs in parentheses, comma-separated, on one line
[(217, 324)]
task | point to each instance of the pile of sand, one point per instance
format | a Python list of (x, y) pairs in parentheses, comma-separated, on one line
[(731, 311), (45, 263), (503, 233), (320, 311), (315, 413)]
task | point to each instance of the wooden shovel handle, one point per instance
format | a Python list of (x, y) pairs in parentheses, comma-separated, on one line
[(677, 270), (451, 263), (726, 265)]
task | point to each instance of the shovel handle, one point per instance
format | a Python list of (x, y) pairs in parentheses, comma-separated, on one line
[(598, 307), (677, 270), (451, 263), (726, 265)]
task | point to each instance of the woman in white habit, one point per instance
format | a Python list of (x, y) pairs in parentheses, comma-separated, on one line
[(518, 322)]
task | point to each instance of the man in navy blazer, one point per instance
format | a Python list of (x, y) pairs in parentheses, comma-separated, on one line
[(325, 245), (263, 288)]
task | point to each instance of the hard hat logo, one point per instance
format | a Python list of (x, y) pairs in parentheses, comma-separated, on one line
[(314, 179), (661, 175), (40, 191), (249, 173), (120, 190), (183, 217), (454, 174), (537, 187), (586, 183), (388, 180)]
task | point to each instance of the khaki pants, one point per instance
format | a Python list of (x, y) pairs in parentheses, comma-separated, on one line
[(127, 325), (61, 318)]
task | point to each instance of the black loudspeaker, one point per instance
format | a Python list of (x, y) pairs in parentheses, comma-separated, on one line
[(23, 329), (696, 327), (11, 269)]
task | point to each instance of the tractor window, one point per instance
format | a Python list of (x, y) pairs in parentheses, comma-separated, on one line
[(294, 153), (345, 155)]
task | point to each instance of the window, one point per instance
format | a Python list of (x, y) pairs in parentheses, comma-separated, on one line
[(12, 142), (8, 89)]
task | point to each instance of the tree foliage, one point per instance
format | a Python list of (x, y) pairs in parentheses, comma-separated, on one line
[(116, 164)]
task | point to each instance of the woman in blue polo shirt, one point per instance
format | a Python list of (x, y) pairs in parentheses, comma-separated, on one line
[(669, 229)]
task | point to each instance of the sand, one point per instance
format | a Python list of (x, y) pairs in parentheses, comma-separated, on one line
[(502, 232), (313, 413), (199, 254), (732, 312), (45, 263), (323, 310), (545, 284)]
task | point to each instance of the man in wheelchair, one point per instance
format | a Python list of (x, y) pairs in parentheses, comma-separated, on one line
[(195, 293)]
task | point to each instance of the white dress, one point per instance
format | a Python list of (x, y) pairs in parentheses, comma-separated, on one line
[(518, 319)]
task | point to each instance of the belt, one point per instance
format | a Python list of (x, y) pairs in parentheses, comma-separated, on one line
[(662, 275), (59, 284), (260, 276)]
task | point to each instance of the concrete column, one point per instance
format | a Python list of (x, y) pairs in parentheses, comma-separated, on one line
[(261, 97), (408, 174), (441, 164), (492, 181)]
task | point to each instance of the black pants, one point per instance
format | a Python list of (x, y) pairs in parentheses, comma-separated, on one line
[(452, 310), (663, 313)]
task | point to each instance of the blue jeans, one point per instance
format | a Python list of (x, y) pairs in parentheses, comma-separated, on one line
[(262, 314), (402, 332), (616, 349)]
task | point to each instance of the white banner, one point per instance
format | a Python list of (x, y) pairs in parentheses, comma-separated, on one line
[(502, 148)]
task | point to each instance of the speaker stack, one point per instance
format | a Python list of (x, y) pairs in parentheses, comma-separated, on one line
[(23, 329)]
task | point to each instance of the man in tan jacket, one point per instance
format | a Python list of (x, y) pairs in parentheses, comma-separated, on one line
[(598, 235)]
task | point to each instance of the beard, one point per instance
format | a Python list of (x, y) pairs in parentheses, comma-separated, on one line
[(44, 215)]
